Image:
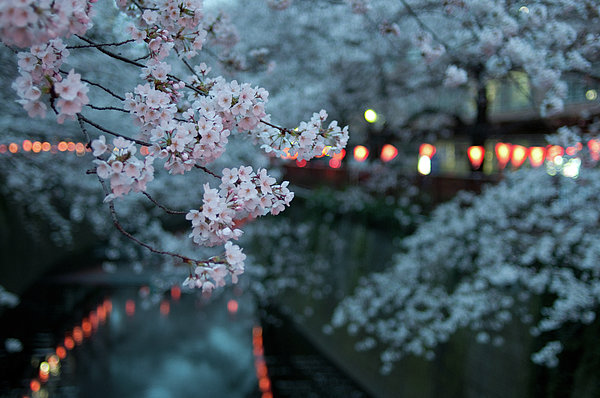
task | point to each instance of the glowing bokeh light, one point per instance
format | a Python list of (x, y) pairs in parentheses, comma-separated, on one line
[(3, 148), (232, 306), (165, 308), (591, 95), (502, 154), (13, 148), (175, 292), (427, 150), (475, 154), (130, 307), (61, 352), (388, 152), (27, 145), (71, 146), (34, 386), (36, 147), (77, 334), (86, 326), (44, 367), (46, 146), (361, 153), (424, 165), (572, 150), (335, 163), (370, 116), (537, 154), (80, 149), (69, 343), (519, 154), (553, 151), (341, 155), (264, 383), (62, 146), (571, 168)]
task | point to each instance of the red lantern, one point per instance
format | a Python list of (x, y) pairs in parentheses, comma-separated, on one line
[(388, 152), (476, 154), (552, 151), (519, 154), (361, 153), (427, 150), (503, 154), (537, 154)]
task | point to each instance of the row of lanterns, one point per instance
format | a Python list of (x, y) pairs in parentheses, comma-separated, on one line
[(515, 154), (537, 155)]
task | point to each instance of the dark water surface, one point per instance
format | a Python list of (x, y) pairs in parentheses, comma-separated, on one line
[(129, 341)]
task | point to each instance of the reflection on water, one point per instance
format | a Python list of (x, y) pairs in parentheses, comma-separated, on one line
[(130, 342)]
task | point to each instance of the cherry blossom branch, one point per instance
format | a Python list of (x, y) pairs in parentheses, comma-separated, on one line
[(132, 62), (111, 54), (167, 210), (100, 45), (282, 129), (82, 118), (141, 7), (97, 85), (119, 227), (115, 219)]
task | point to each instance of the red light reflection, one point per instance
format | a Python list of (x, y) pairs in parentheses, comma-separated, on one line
[(130, 307)]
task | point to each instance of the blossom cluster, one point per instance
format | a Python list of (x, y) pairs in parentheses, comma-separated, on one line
[(125, 171), (182, 25), (308, 140), (39, 70), (27, 22), (243, 193), (212, 273)]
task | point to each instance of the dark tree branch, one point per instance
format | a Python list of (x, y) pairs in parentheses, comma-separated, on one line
[(88, 121), (167, 210), (100, 45), (106, 108)]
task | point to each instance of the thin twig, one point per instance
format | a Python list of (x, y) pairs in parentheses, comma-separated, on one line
[(100, 45), (106, 108), (142, 57), (132, 62), (99, 86), (88, 121), (111, 54), (207, 171), (282, 129), (118, 225), (167, 210)]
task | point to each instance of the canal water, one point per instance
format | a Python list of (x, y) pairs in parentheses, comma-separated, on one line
[(84, 339), (93, 334)]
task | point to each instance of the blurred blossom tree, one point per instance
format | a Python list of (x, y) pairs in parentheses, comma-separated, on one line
[(523, 251), (438, 61), (176, 114)]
